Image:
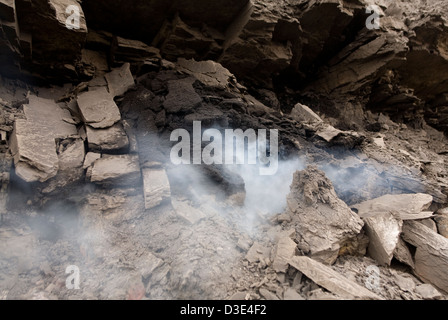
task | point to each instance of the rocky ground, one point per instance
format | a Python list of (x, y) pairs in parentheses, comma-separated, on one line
[(356, 210)]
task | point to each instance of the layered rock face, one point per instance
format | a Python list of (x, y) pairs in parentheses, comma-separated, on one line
[(323, 46)]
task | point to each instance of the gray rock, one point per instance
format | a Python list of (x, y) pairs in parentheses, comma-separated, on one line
[(156, 187), (187, 212), (303, 113), (98, 109), (324, 223), (291, 294), (110, 140), (431, 256), (46, 113), (34, 152), (90, 158), (120, 170), (268, 295), (401, 203), (331, 280), (428, 292), (120, 80), (405, 283), (285, 250), (383, 231), (181, 96)]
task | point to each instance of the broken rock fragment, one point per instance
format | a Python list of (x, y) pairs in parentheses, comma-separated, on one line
[(34, 152), (109, 140), (383, 231), (324, 223), (331, 280), (181, 96), (98, 108), (122, 170), (120, 80), (156, 187), (187, 212), (431, 256), (285, 250)]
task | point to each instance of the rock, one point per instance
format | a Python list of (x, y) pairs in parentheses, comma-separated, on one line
[(34, 152), (431, 256), (403, 204), (90, 158), (110, 140), (209, 73), (403, 254), (268, 295), (47, 114), (329, 279), (328, 133), (120, 170), (187, 212), (429, 223), (383, 231), (156, 187), (120, 80), (178, 39), (285, 250), (148, 264), (441, 219), (239, 296), (257, 253), (181, 96), (291, 294), (71, 155), (405, 283), (324, 223), (125, 50), (98, 109), (428, 292), (303, 113), (7, 10)]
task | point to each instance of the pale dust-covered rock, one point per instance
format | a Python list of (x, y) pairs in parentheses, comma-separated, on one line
[(120, 170), (156, 187), (324, 223), (98, 108)]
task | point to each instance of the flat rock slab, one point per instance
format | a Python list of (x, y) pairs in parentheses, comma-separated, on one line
[(384, 232), (34, 152), (431, 256), (109, 140), (46, 113), (210, 73), (123, 170), (98, 108), (400, 203), (331, 280), (187, 212), (156, 187), (120, 80)]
